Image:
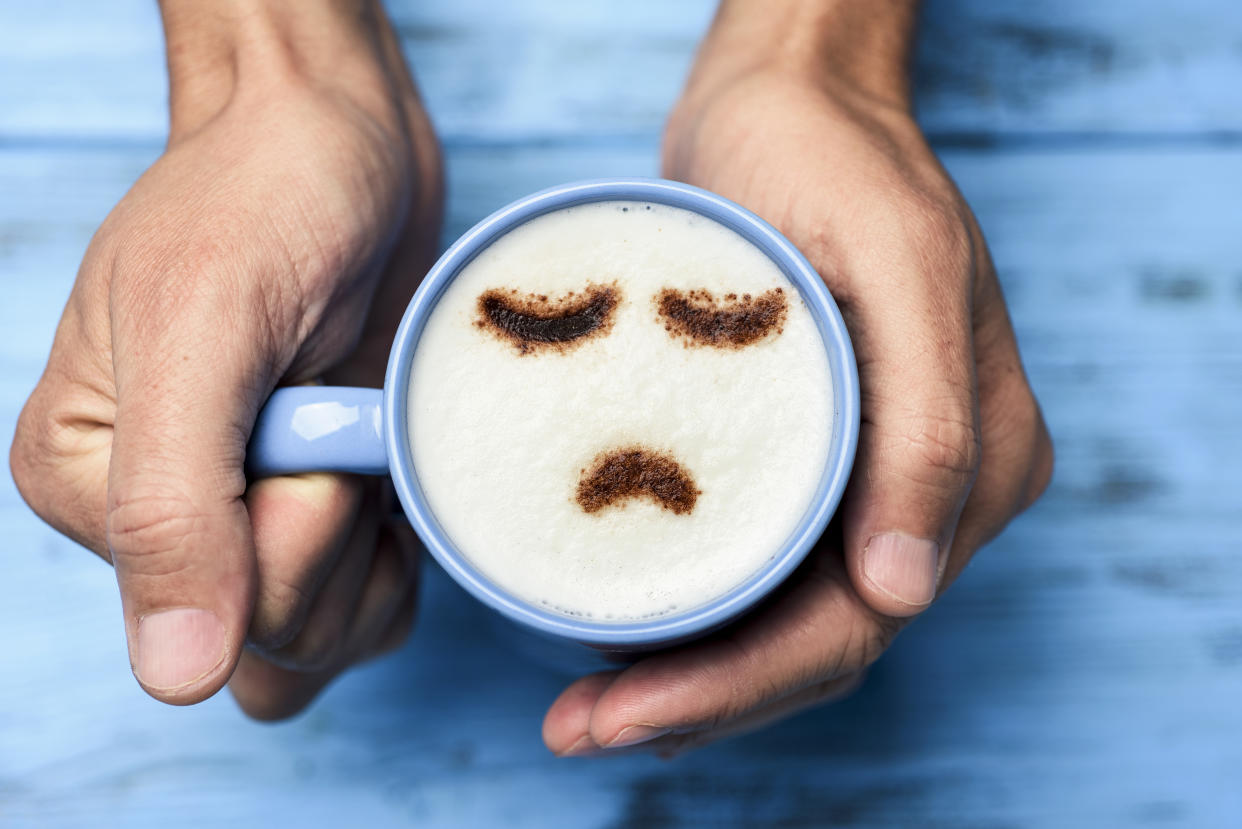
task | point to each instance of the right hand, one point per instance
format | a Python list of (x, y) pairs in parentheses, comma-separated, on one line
[(276, 241), (782, 116)]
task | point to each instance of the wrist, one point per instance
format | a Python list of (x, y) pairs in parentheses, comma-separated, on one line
[(861, 47), (218, 50)]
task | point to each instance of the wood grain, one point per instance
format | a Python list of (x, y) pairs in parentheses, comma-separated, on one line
[(1085, 671), (495, 70)]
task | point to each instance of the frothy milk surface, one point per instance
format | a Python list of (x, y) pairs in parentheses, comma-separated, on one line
[(502, 439)]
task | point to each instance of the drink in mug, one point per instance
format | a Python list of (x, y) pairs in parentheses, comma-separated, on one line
[(619, 410)]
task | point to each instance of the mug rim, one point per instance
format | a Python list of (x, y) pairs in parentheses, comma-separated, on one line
[(702, 618)]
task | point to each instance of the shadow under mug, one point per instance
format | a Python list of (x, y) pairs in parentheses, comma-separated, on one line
[(325, 428)]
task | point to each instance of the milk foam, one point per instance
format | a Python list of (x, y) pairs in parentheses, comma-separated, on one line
[(499, 439)]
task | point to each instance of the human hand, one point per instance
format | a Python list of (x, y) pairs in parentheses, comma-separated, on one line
[(788, 123), (275, 241)]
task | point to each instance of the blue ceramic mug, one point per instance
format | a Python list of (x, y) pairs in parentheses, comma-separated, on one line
[(365, 431)]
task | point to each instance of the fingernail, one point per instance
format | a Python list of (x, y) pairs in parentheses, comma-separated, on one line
[(176, 647), (584, 746), (635, 734), (902, 566)]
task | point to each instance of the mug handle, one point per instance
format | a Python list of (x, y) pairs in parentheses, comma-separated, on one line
[(319, 428)]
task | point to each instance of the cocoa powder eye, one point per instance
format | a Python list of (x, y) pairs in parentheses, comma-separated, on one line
[(699, 318), (536, 322)]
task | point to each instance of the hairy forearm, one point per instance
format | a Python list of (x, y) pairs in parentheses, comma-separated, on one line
[(215, 49), (864, 43)]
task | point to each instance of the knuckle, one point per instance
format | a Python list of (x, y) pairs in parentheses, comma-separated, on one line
[(315, 649), (58, 460), (949, 446), (39, 445), (396, 636), (390, 568), (878, 637), (1042, 463), (149, 526), (271, 706), (150, 278), (267, 709), (24, 460), (732, 685), (934, 225), (870, 636), (1028, 446), (199, 272), (320, 655), (280, 614)]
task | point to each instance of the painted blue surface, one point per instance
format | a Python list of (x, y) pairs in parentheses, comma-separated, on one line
[(1085, 671)]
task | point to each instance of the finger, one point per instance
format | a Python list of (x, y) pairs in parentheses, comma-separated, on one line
[(301, 526), (188, 386), (1007, 404), (355, 611), (1017, 458), (268, 691), (822, 693), (392, 581), (402, 622), (584, 693), (566, 726), (323, 634), (818, 629), (63, 438), (918, 448), (399, 628)]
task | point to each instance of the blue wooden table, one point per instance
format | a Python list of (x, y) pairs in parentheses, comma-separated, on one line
[(1085, 671)]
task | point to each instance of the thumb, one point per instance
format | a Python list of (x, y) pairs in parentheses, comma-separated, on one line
[(177, 527), (918, 455)]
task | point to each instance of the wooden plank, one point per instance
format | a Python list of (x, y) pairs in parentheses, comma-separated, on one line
[(538, 69), (1084, 672)]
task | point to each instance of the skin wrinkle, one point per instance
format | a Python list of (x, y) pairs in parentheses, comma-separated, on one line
[(295, 603), (945, 443)]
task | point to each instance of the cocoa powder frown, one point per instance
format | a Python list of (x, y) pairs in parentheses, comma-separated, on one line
[(636, 472)]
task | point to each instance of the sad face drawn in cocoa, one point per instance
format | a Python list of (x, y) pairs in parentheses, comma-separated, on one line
[(536, 323)]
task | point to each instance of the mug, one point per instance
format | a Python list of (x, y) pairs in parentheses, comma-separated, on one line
[(364, 431)]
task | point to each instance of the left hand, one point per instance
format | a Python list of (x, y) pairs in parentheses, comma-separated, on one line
[(952, 443), (275, 241)]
